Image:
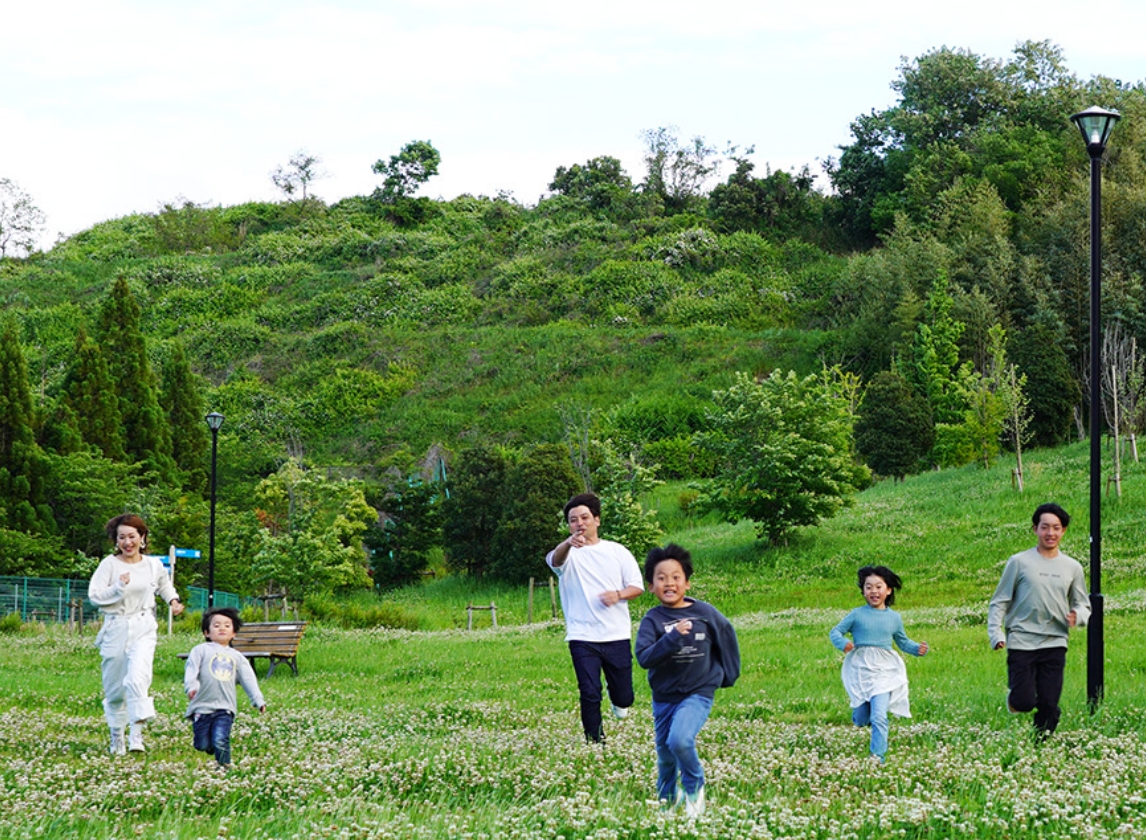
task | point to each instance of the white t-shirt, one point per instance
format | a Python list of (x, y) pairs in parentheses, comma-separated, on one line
[(585, 574)]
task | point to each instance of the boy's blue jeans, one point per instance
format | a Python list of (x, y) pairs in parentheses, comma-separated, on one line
[(676, 726), (212, 732), (873, 713)]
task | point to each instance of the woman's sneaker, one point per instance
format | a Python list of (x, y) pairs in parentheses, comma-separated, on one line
[(135, 743), (694, 804), (118, 744)]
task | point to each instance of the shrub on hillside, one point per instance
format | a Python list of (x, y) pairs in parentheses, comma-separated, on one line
[(358, 613)]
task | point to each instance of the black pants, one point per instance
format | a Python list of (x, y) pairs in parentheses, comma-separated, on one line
[(589, 660), (1035, 680)]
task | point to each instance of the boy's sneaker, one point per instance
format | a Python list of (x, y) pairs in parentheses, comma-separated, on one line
[(694, 804), (1011, 708), (619, 713), (118, 744), (135, 743)]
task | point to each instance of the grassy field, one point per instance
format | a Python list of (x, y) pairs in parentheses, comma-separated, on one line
[(445, 733)]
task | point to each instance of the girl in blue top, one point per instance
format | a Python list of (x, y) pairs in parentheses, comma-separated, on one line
[(875, 677)]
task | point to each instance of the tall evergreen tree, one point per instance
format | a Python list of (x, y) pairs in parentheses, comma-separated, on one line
[(936, 355), (185, 411), (147, 439), (894, 429), (90, 395), (473, 509), (21, 462), (536, 487)]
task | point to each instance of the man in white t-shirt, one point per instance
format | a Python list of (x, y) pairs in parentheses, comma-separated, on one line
[(597, 579)]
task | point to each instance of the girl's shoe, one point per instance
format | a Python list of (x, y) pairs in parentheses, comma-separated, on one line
[(118, 744)]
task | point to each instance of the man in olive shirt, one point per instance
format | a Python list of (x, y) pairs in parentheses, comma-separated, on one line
[(1041, 595)]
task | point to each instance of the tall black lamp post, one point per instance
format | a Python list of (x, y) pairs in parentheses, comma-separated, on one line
[(214, 423), (1095, 125)]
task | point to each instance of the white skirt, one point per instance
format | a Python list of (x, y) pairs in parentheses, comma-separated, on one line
[(868, 671)]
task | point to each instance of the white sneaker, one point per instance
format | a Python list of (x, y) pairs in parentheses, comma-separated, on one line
[(619, 713), (135, 743), (118, 745), (694, 804)]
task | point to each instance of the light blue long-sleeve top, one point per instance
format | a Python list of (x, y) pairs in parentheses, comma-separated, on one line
[(870, 627)]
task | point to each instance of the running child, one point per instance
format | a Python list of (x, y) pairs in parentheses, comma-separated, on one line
[(689, 650), (874, 676), (209, 679)]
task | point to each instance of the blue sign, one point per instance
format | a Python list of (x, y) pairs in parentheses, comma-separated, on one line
[(162, 558), (188, 552)]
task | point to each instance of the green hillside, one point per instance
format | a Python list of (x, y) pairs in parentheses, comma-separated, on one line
[(381, 335)]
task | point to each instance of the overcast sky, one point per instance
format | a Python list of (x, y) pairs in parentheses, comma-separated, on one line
[(111, 108)]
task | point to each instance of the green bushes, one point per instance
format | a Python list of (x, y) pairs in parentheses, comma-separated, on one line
[(359, 612)]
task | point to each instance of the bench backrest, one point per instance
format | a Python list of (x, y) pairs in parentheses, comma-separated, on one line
[(280, 638)]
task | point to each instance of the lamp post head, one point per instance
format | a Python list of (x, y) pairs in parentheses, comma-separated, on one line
[(214, 421), (1095, 124)]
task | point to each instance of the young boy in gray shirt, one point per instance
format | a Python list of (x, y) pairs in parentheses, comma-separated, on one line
[(209, 679), (1041, 595)]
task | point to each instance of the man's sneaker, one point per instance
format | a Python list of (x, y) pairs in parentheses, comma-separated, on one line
[(1011, 708), (694, 804), (619, 713), (135, 743), (118, 744)]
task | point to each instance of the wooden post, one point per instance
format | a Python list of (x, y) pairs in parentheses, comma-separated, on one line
[(552, 598), (529, 607), (470, 614)]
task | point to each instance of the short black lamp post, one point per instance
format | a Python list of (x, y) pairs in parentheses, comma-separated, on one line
[(214, 423), (1095, 125)]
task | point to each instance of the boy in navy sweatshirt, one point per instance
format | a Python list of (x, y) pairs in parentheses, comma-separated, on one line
[(689, 650)]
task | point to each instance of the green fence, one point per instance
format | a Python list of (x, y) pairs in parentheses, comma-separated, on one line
[(46, 599), (59, 600), (197, 599)]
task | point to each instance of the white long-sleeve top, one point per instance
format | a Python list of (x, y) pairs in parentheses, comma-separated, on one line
[(148, 578)]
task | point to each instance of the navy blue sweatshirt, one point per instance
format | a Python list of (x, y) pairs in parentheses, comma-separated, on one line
[(699, 662)]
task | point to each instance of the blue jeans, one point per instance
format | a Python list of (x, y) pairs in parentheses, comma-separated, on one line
[(589, 659), (676, 726), (212, 732), (873, 713)]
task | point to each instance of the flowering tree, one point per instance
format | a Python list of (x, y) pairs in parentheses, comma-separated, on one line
[(785, 451), (20, 220)]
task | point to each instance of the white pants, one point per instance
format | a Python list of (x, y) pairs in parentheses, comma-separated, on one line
[(127, 646)]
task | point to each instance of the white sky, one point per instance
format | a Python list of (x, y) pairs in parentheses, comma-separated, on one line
[(110, 107)]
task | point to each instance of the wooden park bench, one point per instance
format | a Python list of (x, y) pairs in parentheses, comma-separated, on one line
[(276, 641)]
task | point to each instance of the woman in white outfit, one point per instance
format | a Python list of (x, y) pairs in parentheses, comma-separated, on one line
[(124, 588)]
